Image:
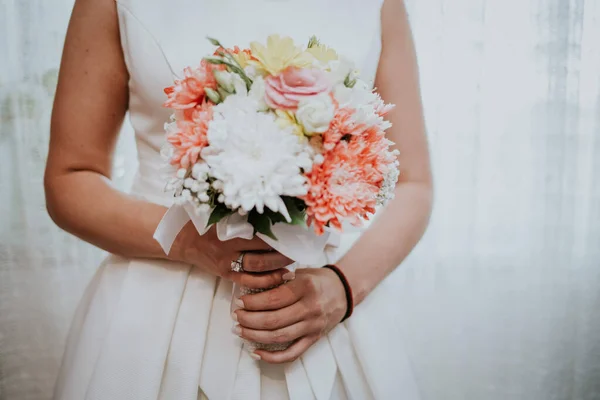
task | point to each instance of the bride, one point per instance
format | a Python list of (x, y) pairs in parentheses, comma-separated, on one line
[(152, 326)]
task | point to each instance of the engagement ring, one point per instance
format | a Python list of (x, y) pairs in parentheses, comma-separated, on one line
[(237, 265)]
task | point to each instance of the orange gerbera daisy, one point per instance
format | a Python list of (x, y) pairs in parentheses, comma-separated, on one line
[(189, 135), (189, 92), (346, 184), (341, 125)]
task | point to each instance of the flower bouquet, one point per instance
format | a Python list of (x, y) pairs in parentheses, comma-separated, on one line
[(278, 140)]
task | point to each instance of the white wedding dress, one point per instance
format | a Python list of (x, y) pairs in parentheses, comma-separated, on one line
[(149, 330)]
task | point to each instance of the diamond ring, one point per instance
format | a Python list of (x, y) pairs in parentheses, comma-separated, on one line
[(237, 264)]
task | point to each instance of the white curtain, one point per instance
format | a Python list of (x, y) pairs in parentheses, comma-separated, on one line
[(501, 300)]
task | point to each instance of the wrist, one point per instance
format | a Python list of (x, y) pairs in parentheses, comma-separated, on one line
[(183, 246), (336, 289), (348, 298), (360, 290)]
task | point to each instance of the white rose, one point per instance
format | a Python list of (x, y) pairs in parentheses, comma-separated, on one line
[(257, 92), (315, 113)]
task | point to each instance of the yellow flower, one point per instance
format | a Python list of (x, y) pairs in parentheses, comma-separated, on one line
[(280, 53), (286, 119), (323, 54), (242, 58)]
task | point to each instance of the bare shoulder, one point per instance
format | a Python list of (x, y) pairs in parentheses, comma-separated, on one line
[(93, 34)]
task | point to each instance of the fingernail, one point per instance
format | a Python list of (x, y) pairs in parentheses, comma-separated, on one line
[(239, 303), (255, 356), (234, 316), (288, 276), (236, 330)]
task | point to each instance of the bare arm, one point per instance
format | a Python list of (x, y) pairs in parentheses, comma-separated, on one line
[(90, 105), (401, 225), (89, 108)]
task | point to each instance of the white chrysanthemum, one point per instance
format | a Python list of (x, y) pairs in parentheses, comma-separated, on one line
[(253, 160)]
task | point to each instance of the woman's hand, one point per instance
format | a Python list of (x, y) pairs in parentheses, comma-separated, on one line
[(301, 310), (263, 267)]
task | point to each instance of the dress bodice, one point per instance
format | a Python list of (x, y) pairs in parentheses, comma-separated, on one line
[(161, 38)]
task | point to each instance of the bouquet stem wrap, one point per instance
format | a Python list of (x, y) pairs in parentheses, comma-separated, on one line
[(297, 242)]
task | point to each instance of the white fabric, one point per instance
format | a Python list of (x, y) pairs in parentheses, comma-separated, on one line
[(500, 301), (169, 333), (303, 246)]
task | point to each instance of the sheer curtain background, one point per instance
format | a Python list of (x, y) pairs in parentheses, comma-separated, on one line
[(500, 300)]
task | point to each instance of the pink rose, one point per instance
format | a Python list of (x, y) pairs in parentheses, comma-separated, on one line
[(285, 90)]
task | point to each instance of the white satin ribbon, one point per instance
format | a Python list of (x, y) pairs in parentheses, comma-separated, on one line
[(299, 243)]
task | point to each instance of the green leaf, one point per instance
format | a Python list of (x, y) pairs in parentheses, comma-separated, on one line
[(275, 217), (232, 66), (349, 82), (214, 42), (313, 41), (218, 213), (261, 224), (296, 209), (214, 60)]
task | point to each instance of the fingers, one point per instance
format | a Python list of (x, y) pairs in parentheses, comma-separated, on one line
[(259, 281), (274, 299), (271, 320), (290, 354), (264, 261), (280, 336)]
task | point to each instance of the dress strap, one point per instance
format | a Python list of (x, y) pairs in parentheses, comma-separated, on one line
[(123, 5)]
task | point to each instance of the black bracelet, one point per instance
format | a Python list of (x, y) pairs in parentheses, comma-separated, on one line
[(347, 289)]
